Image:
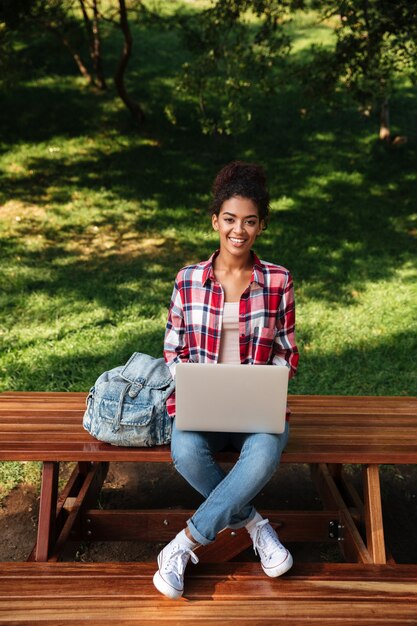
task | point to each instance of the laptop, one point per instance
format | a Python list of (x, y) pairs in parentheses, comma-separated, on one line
[(231, 398)]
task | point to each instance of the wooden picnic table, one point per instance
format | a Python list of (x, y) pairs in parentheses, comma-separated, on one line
[(327, 432)]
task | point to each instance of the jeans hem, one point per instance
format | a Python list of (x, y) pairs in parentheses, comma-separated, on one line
[(197, 536), (246, 521)]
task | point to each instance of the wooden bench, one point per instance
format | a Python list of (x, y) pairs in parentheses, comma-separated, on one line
[(327, 432), (228, 593)]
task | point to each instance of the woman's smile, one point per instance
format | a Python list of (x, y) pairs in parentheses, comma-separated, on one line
[(237, 242)]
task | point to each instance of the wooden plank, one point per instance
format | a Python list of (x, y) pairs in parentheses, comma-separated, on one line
[(91, 450), (135, 579), (358, 572), (162, 525), (300, 405), (203, 611), (297, 399), (45, 431), (351, 495), (213, 588), (47, 511), (391, 443), (360, 418), (347, 411), (373, 513)]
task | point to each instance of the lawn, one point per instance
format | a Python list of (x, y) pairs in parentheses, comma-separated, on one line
[(97, 217)]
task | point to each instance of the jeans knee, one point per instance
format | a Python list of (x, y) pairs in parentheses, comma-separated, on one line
[(264, 452), (181, 459), (266, 466)]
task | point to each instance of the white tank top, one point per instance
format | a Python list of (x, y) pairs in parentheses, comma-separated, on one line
[(229, 342)]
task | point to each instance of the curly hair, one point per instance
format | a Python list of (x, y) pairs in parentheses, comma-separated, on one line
[(239, 178)]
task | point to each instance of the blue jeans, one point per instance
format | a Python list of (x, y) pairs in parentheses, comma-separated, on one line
[(228, 496)]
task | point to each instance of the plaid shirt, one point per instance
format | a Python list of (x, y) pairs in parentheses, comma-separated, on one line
[(266, 318)]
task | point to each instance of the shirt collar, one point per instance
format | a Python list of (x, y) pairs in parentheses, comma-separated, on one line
[(257, 272)]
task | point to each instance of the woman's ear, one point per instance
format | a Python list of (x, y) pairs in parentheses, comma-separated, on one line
[(214, 222)]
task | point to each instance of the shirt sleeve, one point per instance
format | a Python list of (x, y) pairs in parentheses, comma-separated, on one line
[(285, 350), (175, 347)]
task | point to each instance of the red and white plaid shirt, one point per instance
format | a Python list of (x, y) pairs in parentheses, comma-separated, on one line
[(266, 318)]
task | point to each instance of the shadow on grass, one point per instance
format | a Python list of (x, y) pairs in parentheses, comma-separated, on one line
[(372, 369), (79, 370), (366, 370), (349, 217)]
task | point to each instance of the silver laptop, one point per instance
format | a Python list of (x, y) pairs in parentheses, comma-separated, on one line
[(231, 398)]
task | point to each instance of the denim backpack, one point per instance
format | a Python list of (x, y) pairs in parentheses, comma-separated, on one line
[(126, 405)]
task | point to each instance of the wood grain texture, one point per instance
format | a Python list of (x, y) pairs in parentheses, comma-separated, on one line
[(331, 429), (232, 593), (47, 511), (373, 513)]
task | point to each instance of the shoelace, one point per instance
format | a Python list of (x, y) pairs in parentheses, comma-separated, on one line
[(265, 535), (178, 559)]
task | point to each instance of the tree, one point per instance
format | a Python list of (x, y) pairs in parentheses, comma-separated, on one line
[(376, 46), (54, 16), (235, 46), (61, 18)]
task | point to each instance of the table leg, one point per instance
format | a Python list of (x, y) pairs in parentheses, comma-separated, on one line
[(373, 513), (47, 510)]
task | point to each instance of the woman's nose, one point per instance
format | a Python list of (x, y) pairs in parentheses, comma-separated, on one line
[(238, 227)]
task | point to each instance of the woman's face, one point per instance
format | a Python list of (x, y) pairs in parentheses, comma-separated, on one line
[(238, 225)]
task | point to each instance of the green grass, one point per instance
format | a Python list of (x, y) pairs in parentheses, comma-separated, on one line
[(12, 473), (96, 218)]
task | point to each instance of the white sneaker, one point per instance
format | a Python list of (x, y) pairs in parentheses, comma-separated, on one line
[(172, 561), (275, 558)]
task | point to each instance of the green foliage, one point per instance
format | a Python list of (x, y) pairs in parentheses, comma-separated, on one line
[(27, 14), (12, 473), (376, 46), (234, 47), (28, 36)]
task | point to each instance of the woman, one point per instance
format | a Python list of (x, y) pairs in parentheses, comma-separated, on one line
[(232, 308)]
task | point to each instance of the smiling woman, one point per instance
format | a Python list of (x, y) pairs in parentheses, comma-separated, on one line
[(232, 308)]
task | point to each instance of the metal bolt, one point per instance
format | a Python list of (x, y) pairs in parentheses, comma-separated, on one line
[(166, 522), (89, 533), (233, 534), (88, 520)]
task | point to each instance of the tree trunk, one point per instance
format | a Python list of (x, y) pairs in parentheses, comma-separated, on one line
[(94, 42), (97, 59), (77, 58), (384, 129), (134, 108)]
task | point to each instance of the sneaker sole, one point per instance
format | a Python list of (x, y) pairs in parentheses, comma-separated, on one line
[(280, 569), (165, 588)]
